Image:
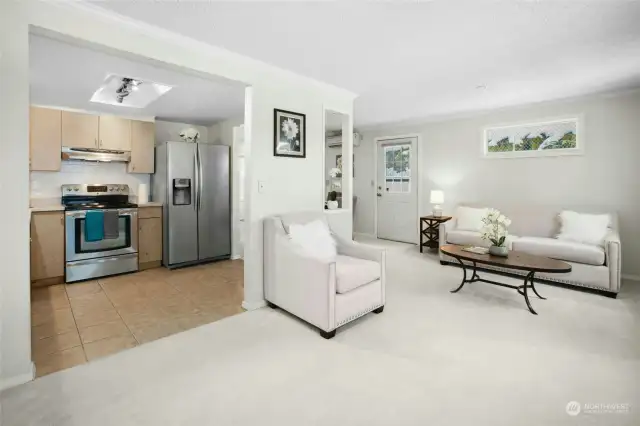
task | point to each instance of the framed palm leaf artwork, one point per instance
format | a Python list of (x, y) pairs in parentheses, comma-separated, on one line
[(546, 138), (289, 134)]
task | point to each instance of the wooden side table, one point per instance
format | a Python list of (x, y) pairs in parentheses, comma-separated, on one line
[(430, 229)]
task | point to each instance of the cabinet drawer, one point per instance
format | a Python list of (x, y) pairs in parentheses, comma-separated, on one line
[(149, 212)]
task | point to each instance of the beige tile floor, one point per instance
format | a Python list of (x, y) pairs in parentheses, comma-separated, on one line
[(76, 323)]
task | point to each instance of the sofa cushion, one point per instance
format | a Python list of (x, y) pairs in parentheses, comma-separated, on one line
[(470, 218), (558, 249), (352, 273), (471, 238), (584, 228)]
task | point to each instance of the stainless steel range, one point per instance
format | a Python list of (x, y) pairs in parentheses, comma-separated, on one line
[(88, 258)]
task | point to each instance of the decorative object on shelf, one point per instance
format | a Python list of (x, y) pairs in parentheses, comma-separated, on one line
[(335, 173), (190, 135), (332, 203), (289, 134), (559, 137), (495, 230), (339, 163), (430, 230), (437, 198)]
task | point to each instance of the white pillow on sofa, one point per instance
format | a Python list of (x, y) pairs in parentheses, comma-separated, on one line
[(583, 228), (314, 240), (470, 218)]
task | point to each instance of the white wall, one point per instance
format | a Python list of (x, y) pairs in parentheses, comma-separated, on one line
[(222, 133), (292, 184), (167, 131), (15, 316), (46, 185), (606, 176)]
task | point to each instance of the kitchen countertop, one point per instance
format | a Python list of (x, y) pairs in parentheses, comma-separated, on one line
[(150, 204), (45, 205)]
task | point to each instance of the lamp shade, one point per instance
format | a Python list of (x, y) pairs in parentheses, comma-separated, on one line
[(437, 197)]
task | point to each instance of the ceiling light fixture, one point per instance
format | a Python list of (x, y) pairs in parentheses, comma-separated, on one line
[(128, 92), (481, 86)]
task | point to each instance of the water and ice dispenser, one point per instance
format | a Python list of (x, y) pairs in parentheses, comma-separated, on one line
[(181, 192)]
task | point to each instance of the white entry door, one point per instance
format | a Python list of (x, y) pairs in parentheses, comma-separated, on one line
[(396, 189)]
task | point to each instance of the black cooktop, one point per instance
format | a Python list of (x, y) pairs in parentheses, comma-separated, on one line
[(100, 206), (83, 202)]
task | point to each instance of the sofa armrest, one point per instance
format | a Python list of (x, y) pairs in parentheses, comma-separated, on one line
[(361, 251), (303, 285), (442, 232), (613, 259)]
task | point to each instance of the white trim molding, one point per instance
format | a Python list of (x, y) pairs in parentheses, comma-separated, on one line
[(10, 382), (630, 277), (252, 306)]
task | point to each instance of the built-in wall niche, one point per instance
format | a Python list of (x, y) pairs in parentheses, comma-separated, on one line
[(336, 125)]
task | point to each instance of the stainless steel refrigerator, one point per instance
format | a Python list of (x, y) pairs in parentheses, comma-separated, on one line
[(192, 182)]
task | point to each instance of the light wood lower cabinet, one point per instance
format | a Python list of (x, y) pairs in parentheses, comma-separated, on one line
[(149, 237), (47, 247)]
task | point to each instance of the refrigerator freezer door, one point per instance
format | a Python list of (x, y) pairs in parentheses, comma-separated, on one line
[(182, 219), (214, 214)]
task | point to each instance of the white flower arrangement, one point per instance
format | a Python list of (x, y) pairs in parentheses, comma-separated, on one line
[(290, 129), (335, 172), (495, 227)]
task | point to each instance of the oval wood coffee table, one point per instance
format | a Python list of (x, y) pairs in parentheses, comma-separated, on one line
[(516, 260)]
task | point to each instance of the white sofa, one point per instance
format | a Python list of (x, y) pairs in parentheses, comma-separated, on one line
[(533, 230), (322, 293)]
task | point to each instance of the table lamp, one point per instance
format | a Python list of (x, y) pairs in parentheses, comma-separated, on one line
[(437, 198)]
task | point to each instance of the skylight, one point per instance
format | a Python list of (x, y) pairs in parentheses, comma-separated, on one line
[(128, 92)]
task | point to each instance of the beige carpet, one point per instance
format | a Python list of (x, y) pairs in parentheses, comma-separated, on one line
[(432, 358)]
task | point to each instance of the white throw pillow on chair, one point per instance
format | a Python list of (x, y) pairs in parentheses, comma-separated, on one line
[(470, 218), (314, 240), (583, 228)]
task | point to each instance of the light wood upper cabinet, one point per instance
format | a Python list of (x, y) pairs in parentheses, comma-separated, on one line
[(142, 147), (114, 133), (47, 245), (79, 130), (45, 138), (149, 239)]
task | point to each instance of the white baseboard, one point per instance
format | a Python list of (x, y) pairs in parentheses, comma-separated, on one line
[(364, 234), (18, 380), (236, 257), (631, 277), (252, 306)]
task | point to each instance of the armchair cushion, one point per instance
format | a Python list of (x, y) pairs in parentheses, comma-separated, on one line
[(314, 240), (352, 273)]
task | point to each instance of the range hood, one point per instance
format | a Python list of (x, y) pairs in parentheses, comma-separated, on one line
[(96, 155)]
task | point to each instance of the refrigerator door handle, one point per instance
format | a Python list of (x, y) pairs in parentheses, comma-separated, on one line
[(200, 179), (196, 183)]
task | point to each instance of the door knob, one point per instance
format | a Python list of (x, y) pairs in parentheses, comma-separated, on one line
[(379, 194)]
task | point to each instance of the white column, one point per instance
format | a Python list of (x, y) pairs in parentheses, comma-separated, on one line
[(15, 317)]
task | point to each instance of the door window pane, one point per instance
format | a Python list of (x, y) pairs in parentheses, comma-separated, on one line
[(397, 168)]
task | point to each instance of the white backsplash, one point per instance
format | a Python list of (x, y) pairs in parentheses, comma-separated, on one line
[(46, 185)]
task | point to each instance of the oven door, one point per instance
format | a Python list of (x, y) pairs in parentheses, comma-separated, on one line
[(78, 248)]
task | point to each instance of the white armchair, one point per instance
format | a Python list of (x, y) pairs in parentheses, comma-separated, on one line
[(323, 293)]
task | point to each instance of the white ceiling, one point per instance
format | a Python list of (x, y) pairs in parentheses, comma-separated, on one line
[(67, 75), (424, 59)]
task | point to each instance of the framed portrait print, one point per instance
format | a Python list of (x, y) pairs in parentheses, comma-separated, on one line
[(289, 134)]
